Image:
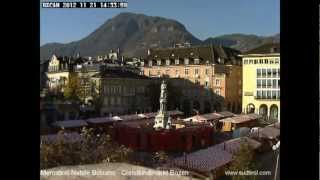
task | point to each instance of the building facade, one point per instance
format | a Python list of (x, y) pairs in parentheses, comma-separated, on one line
[(59, 69), (215, 68), (122, 92), (261, 82)]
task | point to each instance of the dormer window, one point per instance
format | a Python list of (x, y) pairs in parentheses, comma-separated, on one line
[(159, 62), (196, 61), (177, 61), (186, 61), (168, 62)]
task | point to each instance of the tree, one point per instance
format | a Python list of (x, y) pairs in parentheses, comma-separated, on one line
[(97, 99), (72, 90), (243, 160)]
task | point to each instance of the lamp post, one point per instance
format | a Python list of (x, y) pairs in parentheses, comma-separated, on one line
[(276, 148)]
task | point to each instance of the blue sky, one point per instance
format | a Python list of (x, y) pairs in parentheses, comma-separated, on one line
[(205, 18)]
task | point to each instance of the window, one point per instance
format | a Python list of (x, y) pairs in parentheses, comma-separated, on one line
[(245, 62), (197, 82), (186, 72), (250, 61), (266, 61), (167, 71), (258, 73), (278, 73), (271, 61), (159, 62), (168, 62), (269, 73), (279, 83), (217, 91), (261, 61), (256, 61), (177, 61), (259, 94), (274, 83), (177, 72), (186, 61), (217, 82), (206, 83), (207, 71), (274, 72), (278, 94), (269, 94), (158, 72), (274, 94), (196, 71), (258, 83), (269, 83), (263, 73), (196, 61), (263, 83), (276, 61), (264, 94)]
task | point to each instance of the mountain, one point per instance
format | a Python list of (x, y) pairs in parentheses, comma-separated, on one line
[(242, 42), (132, 33)]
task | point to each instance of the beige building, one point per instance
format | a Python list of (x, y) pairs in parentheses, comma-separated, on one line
[(59, 69), (123, 92), (261, 82), (215, 68)]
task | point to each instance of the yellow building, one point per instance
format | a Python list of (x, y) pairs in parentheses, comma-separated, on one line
[(58, 73), (59, 69), (261, 81)]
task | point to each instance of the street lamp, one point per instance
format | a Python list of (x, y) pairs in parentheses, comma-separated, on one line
[(275, 148)]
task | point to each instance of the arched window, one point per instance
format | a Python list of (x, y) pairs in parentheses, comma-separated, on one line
[(274, 113), (263, 111), (250, 108)]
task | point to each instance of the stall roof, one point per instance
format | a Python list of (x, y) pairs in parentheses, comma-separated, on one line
[(241, 118), (70, 123), (171, 113), (226, 114), (266, 132), (275, 125), (204, 160), (233, 145), (100, 120), (130, 117), (204, 117)]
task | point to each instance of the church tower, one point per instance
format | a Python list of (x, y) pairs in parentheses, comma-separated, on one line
[(161, 119)]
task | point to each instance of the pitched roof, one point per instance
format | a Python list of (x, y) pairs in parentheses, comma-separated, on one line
[(204, 160), (213, 157), (265, 49), (211, 53), (241, 118)]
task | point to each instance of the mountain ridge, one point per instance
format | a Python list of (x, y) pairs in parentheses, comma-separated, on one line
[(134, 33)]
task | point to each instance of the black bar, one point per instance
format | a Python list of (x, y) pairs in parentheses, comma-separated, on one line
[(84, 4)]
